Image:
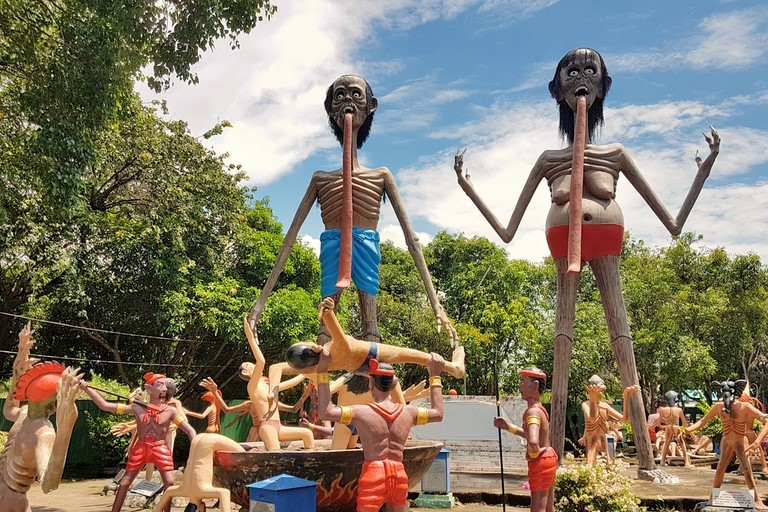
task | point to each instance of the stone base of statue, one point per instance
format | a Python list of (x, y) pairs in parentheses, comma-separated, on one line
[(706, 507), (725, 500), (428, 500), (657, 476)]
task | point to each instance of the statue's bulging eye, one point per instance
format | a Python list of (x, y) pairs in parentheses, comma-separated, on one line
[(573, 72)]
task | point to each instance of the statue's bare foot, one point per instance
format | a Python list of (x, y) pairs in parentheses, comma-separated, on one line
[(657, 476), (456, 368)]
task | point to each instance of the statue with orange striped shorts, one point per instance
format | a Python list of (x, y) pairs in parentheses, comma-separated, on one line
[(542, 459)]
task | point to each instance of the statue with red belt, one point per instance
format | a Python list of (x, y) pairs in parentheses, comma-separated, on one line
[(152, 423), (541, 457), (586, 224), (383, 427)]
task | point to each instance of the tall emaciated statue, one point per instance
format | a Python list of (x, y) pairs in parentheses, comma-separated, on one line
[(350, 203), (586, 225)]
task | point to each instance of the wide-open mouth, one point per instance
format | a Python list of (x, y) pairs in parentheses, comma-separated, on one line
[(349, 109), (581, 90)]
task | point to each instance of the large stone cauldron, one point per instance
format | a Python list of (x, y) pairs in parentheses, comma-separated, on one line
[(335, 471)]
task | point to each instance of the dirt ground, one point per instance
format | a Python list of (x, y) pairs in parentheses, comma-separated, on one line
[(84, 496), (694, 486)]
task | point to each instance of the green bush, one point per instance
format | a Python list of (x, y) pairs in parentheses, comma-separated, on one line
[(3, 439), (598, 488)]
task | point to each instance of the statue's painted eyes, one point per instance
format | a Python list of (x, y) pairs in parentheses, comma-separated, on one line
[(590, 71), (357, 95), (340, 95), (573, 72)]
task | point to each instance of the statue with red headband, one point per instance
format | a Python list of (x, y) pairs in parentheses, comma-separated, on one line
[(34, 449), (383, 427), (542, 459), (152, 423)]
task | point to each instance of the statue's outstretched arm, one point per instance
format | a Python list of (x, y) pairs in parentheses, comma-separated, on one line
[(253, 342), (508, 233), (51, 453), (310, 196), (23, 362), (414, 247), (674, 225), (705, 419)]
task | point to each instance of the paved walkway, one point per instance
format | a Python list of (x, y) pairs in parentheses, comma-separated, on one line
[(695, 483)]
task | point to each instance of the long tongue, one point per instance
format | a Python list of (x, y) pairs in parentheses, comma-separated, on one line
[(577, 188), (345, 255)]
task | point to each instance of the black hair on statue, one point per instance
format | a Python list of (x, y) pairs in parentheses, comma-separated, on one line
[(301, 356), (357, 384), (595, 115), (170, 388), (730, 391), (365, 129), (383, 382)]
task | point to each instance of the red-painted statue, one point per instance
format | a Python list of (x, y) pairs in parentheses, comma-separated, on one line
[(541, 457), (152, 423), (585, 224), (383, 427)]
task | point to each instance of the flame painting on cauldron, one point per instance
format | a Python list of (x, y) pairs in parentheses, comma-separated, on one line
[(335, 471)]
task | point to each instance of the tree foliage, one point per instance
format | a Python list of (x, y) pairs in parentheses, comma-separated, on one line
[(68, 68)]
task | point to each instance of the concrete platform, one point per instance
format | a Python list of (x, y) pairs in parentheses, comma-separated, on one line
[(694, 487)]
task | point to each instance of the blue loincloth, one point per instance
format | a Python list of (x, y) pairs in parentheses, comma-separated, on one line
[(365, 260)]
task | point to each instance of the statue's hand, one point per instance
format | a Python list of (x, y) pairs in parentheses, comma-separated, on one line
[(250, 331), (582, 441), (69, 387), (629, 391), (326, 305), (416, 391), (500, 423), (444, 322), (713, 140), (209, 384), (121, 429), (458, 166)]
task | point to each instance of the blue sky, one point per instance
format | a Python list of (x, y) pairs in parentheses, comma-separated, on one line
[(473, 74)]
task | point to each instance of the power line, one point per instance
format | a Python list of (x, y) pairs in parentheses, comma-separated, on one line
[(94, 329), (107, 361)]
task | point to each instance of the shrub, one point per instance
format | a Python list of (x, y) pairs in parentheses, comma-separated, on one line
[(3, 439), (598, 488)]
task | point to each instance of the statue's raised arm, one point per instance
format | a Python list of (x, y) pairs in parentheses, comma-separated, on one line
[(674, 224)]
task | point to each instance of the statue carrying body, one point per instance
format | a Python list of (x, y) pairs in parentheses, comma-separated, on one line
[(582, 73)]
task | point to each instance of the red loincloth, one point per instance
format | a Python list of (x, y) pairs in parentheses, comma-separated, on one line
[(381, 481), (542, 469), (596, 240), (150, 450)]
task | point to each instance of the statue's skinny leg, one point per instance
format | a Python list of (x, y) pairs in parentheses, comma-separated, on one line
[(606, 270), (368, 315), (566, 310)]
